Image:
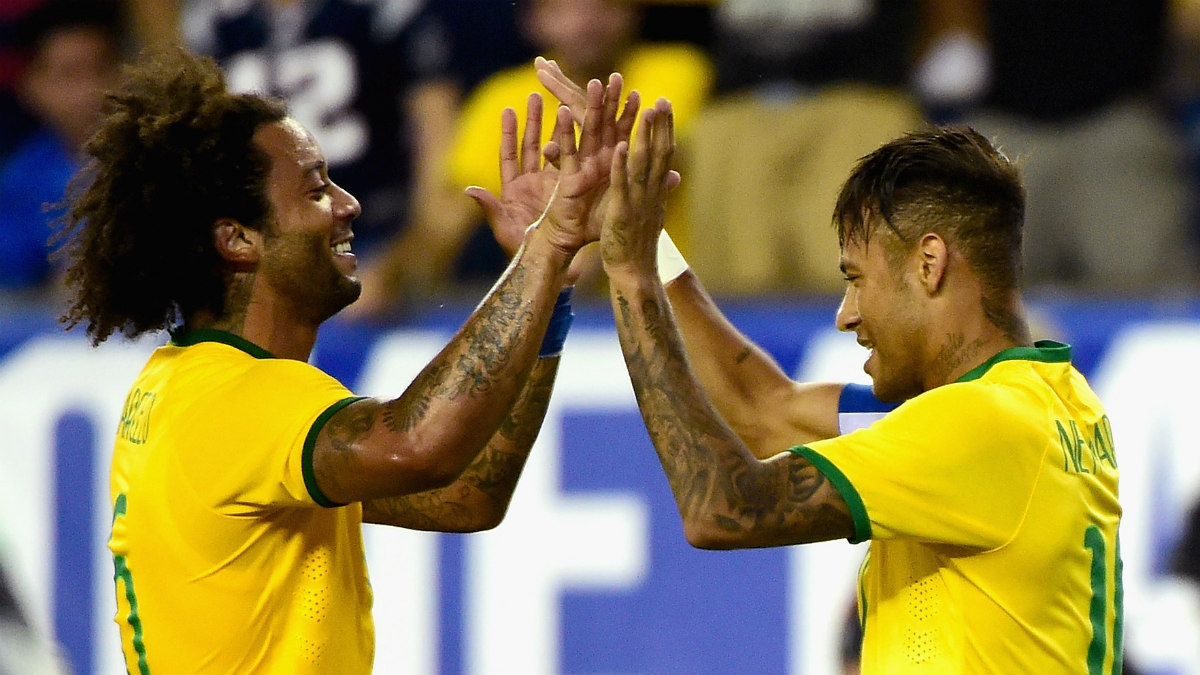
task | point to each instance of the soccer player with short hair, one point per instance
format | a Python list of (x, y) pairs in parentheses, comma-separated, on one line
[(989, 495)]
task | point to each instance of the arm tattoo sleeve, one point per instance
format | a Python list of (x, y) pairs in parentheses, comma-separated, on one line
[(480, 497), (717, 483)]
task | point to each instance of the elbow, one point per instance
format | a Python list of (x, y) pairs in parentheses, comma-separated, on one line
[(427, 471), (485, 520), (705, 533)]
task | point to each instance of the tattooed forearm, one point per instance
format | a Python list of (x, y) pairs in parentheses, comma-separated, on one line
[(484, 346), (480, 496), (523, 423), (489, 337), (717, 483)]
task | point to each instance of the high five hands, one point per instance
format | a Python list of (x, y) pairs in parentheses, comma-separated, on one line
[(558, 187), (634, 207)]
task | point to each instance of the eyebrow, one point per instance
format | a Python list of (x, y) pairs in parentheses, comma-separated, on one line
[(316, 165)]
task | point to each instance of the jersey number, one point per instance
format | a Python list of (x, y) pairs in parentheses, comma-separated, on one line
[(1093, 541)]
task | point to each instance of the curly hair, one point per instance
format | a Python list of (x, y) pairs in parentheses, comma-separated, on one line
[(173, 154)]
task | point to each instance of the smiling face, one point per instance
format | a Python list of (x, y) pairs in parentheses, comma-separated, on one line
[(884, 306), (306, 257)]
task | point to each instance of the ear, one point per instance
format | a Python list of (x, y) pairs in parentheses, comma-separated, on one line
[(237, 244), (934, 258)]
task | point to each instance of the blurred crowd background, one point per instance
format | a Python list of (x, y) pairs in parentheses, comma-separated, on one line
[(774, 101)]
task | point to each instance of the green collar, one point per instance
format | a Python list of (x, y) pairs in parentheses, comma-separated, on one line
[(181, 338), (1047, 351)]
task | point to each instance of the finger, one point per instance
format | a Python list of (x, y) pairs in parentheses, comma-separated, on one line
[(629, 114), (673, 179), (531, 151), (553, 154), (618, 177), (639, 153), (509, 167), (612, 102), (565, 90), (487, 202), (589, 136), (662, 144), (564, 136)]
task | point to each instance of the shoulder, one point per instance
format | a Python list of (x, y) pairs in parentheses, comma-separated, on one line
[(508, 87), (980, 409), (669, 56), (679, 72), (39, 158)]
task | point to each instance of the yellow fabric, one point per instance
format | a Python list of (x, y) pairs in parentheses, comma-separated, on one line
[(991, 505), (224, 561), (681, 73)]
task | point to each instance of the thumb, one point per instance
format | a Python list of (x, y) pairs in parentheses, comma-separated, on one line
[(487, 201), (673, 179)]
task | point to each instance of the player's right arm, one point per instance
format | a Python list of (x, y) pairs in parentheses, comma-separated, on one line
[(425, 439), (744, 381)]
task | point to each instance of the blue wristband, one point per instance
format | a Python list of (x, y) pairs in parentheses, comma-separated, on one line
[(560, 323)]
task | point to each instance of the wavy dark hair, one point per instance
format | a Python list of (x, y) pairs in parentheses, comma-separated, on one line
[(173, 154)]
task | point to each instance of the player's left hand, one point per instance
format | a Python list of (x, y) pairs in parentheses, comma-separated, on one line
[(641, 177)]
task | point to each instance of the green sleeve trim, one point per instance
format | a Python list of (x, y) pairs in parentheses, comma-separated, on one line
[(310, 443), (862, 524)]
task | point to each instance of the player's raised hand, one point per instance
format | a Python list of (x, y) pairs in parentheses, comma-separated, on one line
[(640, 176), (525, 183)]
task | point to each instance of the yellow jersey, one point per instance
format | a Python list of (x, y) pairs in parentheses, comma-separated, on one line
[(227, 557), (991, 508)]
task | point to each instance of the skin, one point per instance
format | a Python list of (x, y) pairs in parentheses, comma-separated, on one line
[(726, 496), (923, 319), (65, 81), (587, 37), (447, 453)]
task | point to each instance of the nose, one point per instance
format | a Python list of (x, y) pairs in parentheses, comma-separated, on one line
[(346, 206), (847, 314)]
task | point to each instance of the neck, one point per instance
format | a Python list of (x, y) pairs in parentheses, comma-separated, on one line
[(262, 319), (969, 336)]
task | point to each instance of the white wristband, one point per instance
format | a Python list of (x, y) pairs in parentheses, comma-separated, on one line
[(670, 261)]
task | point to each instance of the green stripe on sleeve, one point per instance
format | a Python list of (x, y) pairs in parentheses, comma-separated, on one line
[(862, 524), (310, 443)]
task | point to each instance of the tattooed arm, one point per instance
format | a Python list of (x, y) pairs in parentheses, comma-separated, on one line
[(726, 497), (427, 438), (740, 378), (479, 498)]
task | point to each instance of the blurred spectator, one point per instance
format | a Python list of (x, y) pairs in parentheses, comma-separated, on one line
[(15, 121), (1183, 88), (803, 90), (72, 51), (1077, 93), (588, 39), (370, 78)]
